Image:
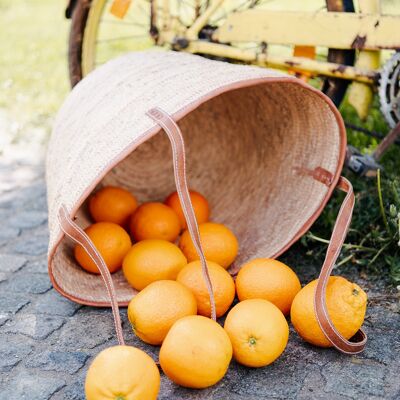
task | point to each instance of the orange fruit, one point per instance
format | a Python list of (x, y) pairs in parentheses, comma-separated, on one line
[(265, 278), (196, 352), (123, 373), (258, 331), (219, 244), (154, 310), (200, 207), (152, 260), (112, 242), (155, 221), (112, 204), (346, 303), (223, 286)]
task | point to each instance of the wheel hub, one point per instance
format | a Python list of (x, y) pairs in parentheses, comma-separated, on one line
[(389, 90)]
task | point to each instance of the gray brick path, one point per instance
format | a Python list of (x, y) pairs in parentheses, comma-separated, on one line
[(47, 342)]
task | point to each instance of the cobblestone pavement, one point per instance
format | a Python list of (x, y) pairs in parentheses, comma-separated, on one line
[(47, 342)]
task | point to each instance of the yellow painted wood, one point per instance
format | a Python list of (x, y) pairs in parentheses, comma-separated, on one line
[(193, 31), (299, 64), (328, 29)]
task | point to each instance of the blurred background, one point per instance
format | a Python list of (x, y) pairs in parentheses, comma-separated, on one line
[(33, 70)]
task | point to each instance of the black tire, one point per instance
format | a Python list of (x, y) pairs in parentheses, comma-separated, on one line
[(333, 87), (79, 17)]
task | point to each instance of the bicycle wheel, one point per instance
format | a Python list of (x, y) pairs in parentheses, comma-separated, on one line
[(97, 36)]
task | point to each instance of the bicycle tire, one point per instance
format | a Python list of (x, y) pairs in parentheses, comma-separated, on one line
[(334, 88), (79, 18)]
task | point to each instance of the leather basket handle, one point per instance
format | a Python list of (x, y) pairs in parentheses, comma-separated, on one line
[(73, 231), (174, 134), (76, 233), (358, 341)]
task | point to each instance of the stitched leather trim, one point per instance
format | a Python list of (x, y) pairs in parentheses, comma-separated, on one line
[(178, 155), (320, 174), (177, 116), (335, 245), (72, 230)]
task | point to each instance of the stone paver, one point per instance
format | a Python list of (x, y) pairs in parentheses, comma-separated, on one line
[(35, 326), (27, 219), (7, 233), (47, 342), (28, 386), (61, 361), (13, 349), (11, 263), (26, 282), (36, 266), (54, 304), (34, 245), (13, 303)]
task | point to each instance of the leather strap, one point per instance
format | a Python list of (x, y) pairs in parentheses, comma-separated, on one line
[(72, 230), (178, 155), (358, 341)]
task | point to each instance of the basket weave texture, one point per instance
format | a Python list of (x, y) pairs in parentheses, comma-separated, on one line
[(253, 138)]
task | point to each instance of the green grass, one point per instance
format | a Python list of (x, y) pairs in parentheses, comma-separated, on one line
[(33, 72), (34, 82)]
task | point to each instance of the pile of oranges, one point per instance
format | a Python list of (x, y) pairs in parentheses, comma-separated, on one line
[(172, 308)]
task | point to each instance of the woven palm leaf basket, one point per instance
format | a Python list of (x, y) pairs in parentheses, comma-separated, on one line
[(265, 148)]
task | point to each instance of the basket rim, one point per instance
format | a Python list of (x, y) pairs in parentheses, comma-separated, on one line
[(247, 82)]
